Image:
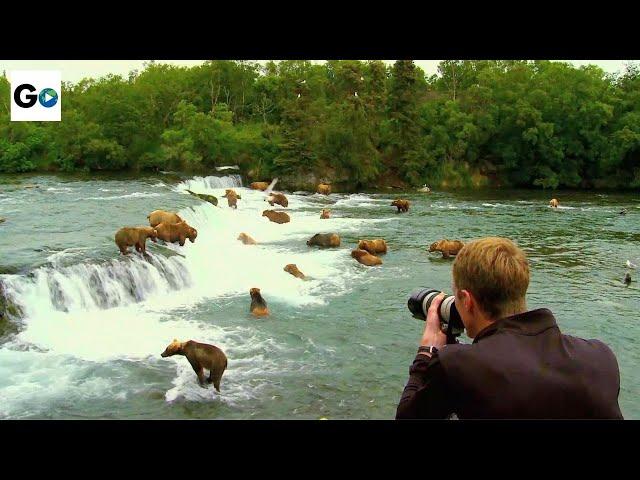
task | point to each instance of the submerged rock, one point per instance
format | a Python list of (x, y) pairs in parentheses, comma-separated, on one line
[(2, 219), (10, 313), (207, 198)]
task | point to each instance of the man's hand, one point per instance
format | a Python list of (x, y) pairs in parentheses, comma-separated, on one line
[(433, 335)]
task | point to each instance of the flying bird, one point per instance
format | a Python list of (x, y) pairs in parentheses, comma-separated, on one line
[(270, 187), (631, 265)]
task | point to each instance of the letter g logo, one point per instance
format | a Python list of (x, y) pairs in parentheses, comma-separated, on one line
[(35, 95), (30, 99)]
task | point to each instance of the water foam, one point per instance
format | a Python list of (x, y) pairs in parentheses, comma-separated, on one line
[(201, 184), (129, 195), (131, 308)]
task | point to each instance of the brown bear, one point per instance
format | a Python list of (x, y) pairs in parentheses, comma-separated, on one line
[(403, 205), (365, 258), (258, 305), (326, 213), (292, 268), (176, 232), (200, 356), (627, 278), (277, 217), (278, 198), (373, 246), (135, 236), (325, 240), (324, 189), (246, 239), (161, 216), (232, 197), (262, 186), (447, 247), (554, 202)]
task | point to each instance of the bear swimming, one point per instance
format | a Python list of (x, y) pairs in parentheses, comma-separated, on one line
[(259, 186), (627, 279), (324, 189), (326, 213), (324, 240), (554, 202), (161, 216), (258, 305), (365, 258), (292, 268), (135, 236), (277, 217), (246, 239), (403, 205), (278, 198), (200, 356), (176, 232), (447, 247), (232, 197), (373, 246)]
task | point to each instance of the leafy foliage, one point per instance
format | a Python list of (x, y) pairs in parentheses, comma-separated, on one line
[(513, 122)]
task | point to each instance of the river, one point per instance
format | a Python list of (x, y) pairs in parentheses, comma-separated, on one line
[(336, 346)]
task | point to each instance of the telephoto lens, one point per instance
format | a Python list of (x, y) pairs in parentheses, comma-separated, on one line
[(450, 321)]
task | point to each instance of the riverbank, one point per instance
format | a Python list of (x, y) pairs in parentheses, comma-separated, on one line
[(309, 182)]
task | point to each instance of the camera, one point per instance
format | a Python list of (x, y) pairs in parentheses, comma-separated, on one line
[(450, 321)]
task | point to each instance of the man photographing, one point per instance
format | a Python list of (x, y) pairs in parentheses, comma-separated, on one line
[(519, 364)]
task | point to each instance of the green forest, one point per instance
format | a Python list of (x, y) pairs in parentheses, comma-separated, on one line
[(356, 124)]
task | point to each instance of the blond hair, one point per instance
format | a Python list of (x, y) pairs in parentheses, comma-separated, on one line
[(496, 271)]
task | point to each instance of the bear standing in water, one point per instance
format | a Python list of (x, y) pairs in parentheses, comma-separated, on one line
[(176, 232), (276, 217), (135, 236), (200, 356), (447, 247), (259, 186), (374, 247), (161, 216), (258, 305), (278, 198), (232, 197), (292, 268), (324, 240), (246, 239), (365, 258), (403, 205), (324, 189)]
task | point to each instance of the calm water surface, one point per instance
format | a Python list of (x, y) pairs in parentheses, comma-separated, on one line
[(337, 346)]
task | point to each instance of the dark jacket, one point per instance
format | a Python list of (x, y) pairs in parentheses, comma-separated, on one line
[(518, 367)]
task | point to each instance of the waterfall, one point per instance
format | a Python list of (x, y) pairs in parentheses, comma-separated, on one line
[(199, 184), (97, 286)]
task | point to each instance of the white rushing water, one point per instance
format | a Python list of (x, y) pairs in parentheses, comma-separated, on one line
[(131, 308)]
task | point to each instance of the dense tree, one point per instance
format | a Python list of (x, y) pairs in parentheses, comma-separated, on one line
[(510, 122)]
